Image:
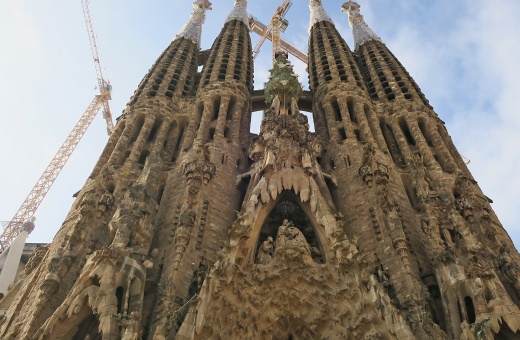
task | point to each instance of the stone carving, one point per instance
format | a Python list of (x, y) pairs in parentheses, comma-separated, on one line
[(366, 171), (132, 223), (202, 224), (265, 251), (292, 245), (105, 203), (105, 270), (131, 327), (509, 267), (182, 235), (421, 181), (57, 268), (35, 259), (267, 281), (199, 171)]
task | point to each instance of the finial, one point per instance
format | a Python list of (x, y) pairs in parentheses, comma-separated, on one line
[(283, 88), (193, 28), (239, 12), (362, 33), (318, 13)]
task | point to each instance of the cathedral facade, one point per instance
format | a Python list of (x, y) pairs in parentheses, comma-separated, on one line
[(192, 227)]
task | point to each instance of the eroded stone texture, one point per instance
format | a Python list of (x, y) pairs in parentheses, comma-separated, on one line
[(191, 227)]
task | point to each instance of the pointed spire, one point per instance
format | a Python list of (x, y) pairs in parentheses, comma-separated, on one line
[(362, 33), (239, 12), (318, 13), (193, 28)]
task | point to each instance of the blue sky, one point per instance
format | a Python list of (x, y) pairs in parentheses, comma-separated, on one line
[(463, 54)]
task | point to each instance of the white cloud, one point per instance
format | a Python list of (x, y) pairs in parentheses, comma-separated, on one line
[(469, 71)]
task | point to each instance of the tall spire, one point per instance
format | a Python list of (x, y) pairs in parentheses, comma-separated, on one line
[(193, 28), (362, 33), (239, 12), (318, 13)]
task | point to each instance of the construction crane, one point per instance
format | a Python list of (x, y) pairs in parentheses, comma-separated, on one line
[(272, 32), (261, 29), (105, 89), (26, 212)]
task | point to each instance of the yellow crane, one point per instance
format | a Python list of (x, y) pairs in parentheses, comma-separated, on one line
[(272, 32), (26, 212), (260, 29)]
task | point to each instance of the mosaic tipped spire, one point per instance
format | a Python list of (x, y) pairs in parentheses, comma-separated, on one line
[(318, 13), (239, 12), (362, 33), (193, 28)]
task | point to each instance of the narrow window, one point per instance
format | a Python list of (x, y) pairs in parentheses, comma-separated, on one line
[(406, 131), (337, 112), (470, 310), (216, 108), (350, 105), (342, 133)]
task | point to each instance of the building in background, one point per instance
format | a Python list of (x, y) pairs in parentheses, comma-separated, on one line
[(192, 227)]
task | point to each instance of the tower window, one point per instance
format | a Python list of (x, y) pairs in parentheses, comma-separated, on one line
[(351, 112), (335, 108), (342, 133), (216, 108), (211, 135), (406, 131)]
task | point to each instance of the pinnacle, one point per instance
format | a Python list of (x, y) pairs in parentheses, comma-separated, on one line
[(239, 12), (192, 29), (318, 13), (283, 85), (362, 33)]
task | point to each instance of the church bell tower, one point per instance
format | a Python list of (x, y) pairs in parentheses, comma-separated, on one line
[(192, 227)]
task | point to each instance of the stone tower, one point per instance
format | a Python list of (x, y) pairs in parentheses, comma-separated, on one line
[(191, 227)]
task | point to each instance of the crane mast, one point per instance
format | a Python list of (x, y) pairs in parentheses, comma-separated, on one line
[(260, 28), (104, 87), (277, 23), (26, 212), (44, 183)]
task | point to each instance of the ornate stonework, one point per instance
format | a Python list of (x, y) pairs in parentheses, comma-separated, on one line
[(192, 227)]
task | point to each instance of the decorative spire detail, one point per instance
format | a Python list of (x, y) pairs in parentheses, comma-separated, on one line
[(193, 28), (239, 12), (283, 89), (362, 33), (318, 13)]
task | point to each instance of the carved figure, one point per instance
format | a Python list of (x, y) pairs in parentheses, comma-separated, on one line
[(182, 235), (292, 244), (275, 106), (131, 225), (265, 251), (509, 268), (105, 203), (35, 259)]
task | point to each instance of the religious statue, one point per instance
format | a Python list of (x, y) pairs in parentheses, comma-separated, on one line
[(265, 252), (293, 244)]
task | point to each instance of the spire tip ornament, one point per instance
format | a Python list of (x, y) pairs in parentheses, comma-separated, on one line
[(283, 89), (239, 12), (318, 13), (193, 28), (362, 33)]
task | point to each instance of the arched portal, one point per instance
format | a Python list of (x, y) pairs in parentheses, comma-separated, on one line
[(288, 207)]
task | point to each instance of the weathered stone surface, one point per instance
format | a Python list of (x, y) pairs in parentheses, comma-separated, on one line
[(191, 227)]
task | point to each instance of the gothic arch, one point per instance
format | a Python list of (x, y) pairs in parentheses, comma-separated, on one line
[(264, 213), (75, 319), (289, 207)]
